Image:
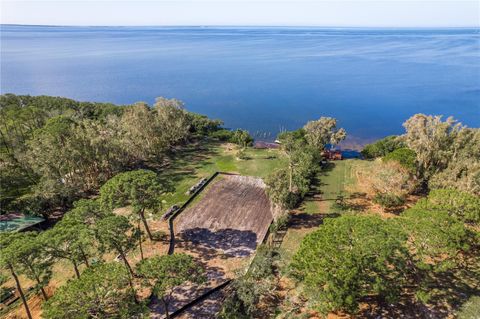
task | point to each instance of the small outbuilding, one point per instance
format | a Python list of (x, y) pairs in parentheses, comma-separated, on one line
[(266, 145), (333, 155)]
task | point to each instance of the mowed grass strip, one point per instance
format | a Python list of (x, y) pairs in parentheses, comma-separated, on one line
[(332, 183)]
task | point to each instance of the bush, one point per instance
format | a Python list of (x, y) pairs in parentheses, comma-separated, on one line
[(278, 224), (6, 293), (278, 192), (462, 205), (251, 287), (389, 200), (405, 156), (241, 138), (242, 155), (387, 178), (382, 147), (159, 235), (222, 135), (202, 125)]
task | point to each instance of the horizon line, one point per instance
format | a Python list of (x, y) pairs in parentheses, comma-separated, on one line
[(243, 26)]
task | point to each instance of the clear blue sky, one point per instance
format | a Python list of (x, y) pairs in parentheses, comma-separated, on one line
[(361, 13)]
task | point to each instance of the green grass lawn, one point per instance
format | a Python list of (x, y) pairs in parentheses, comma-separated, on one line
[(335, 179), (191, 164), (332, 182)]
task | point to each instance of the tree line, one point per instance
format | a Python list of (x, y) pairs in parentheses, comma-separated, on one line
[(55, 150)]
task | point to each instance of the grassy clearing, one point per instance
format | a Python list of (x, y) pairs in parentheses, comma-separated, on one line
[(191, 164), (333, 182)]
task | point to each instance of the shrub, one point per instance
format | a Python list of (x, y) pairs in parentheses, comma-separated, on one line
[(222, 135), (278, 224), (387, 178), (251, 287), (241, 154), (277, 189), (382, 147), (241, 138), (6, 293), (159, 235), (461, 205), (405, 156), (389, 200)]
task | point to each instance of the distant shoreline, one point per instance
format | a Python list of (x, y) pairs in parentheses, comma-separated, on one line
[(248, 26)]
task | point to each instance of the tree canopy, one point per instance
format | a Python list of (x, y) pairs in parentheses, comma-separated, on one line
[(8, 261), (447, 153), (462, 205), (241, 138), (115, 233), (56, 150), (382, 147), (69, 240), (286, 186), (163, 273), (323, 131), (140, 189), (348, 258), (28, 255), (436, 239), (103, 291)]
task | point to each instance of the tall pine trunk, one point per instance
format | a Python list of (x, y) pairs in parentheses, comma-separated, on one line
[(125, 261), (165, 304), (140, 240), (20, 291), (75, 267), (85, 258), (145, 224), (42, 289)]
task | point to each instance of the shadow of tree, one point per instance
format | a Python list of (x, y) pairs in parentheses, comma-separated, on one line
[(208, 308), (448, 291), (181, 296), (227, 242), (184, 160), (305, 220)]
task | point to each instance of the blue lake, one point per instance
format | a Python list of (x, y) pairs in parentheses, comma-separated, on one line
[(260, 79)]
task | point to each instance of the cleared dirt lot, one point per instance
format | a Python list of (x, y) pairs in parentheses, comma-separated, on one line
[(221, 229), (232, 217)]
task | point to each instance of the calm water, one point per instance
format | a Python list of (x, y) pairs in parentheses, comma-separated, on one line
[(261, 79)]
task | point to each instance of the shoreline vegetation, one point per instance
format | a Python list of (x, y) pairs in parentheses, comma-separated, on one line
[(395, 234)]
